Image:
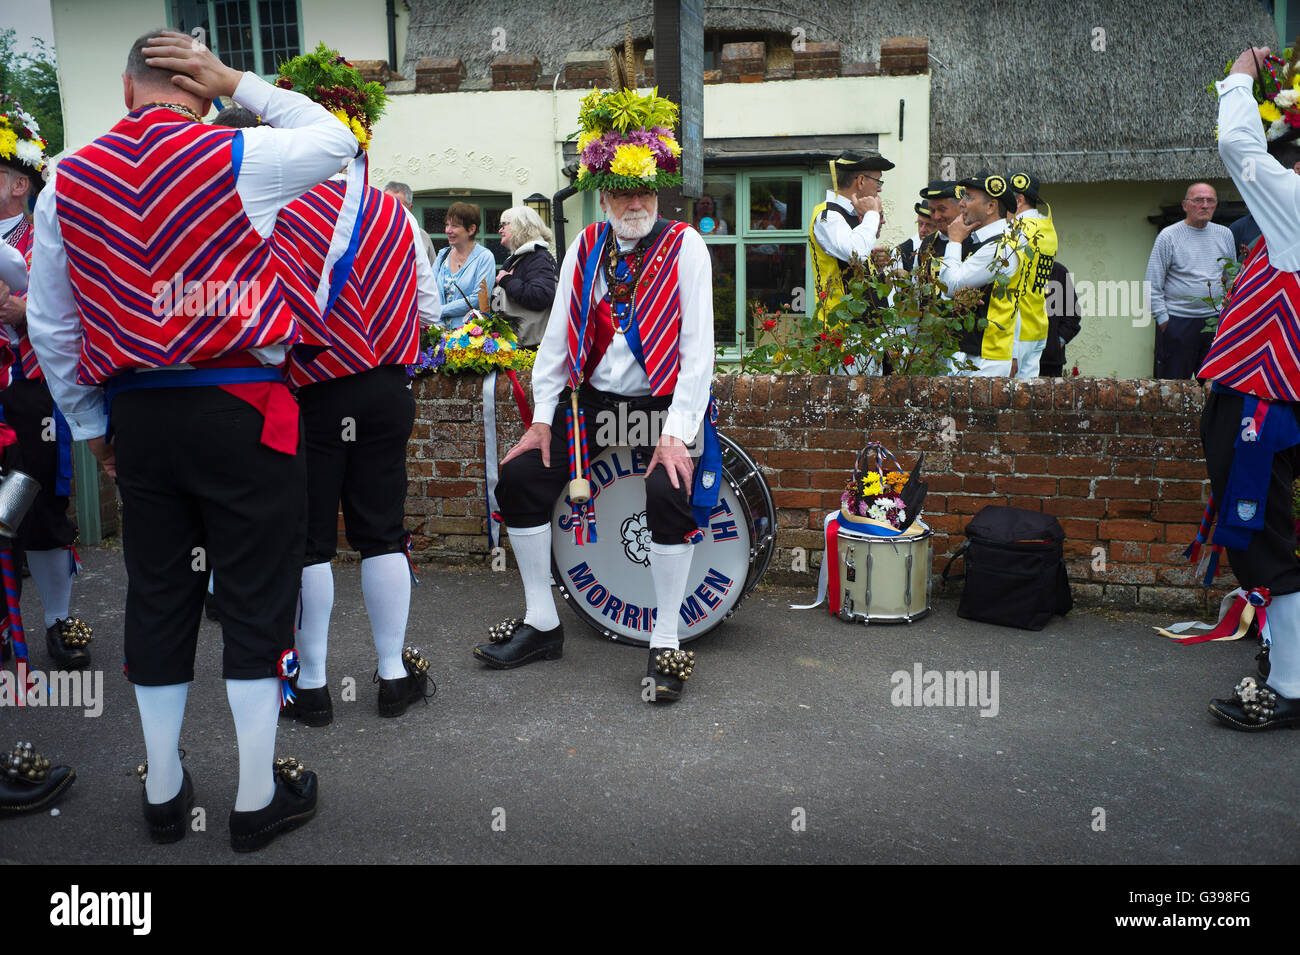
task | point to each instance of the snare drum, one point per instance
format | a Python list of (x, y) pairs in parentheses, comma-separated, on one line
[(608, 583), (885, 579)]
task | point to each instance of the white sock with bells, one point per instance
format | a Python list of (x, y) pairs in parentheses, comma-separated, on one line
[(532, 547), (162, 710), (312, 636), (670, 565), (255, 704), (52, 573), (386, 587), (1284, 652)]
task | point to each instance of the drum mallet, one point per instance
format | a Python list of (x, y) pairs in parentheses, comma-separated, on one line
[(579, 487)]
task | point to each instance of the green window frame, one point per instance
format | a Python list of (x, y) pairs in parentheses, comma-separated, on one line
[(269, 35), (430, 209), (744, 236)]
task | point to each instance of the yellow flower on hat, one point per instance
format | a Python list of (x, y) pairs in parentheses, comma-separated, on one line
[(635, 161), (8, 143), (1269, 112), (587, 138), (671, 143)]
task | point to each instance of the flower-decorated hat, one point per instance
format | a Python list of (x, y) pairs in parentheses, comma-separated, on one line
[(1277, 91), (21, 145), (627, 142), (327, 78)]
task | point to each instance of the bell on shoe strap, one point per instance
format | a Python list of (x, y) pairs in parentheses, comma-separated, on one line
[(676, 663), (504, 631), (75, 633), (24, 764), (142, 771)]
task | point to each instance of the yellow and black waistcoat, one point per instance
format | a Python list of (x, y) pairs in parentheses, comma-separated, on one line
[(994, 339), (1026, 294), (829, 273)]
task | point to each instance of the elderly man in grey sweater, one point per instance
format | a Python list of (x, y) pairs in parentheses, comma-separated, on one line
[(1187, 265)]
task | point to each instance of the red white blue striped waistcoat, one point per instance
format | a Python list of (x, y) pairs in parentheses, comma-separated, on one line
[(658, 307), (375, 319), (23, 238), (164, 264), (1257, 347)]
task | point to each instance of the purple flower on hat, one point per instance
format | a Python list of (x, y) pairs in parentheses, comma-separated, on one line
[(489, 346)]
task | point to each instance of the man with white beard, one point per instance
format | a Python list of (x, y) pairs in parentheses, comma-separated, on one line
[(632, 325)]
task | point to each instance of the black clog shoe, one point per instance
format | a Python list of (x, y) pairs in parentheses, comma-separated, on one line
[(66, 642), (1255, 707), (514, 643), (293, 805), (669, 670), (396, 695), (168, 821), (312, 707), (28, 782)]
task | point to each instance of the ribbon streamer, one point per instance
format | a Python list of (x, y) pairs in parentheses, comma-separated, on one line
[(344, 239), (1236, 613)]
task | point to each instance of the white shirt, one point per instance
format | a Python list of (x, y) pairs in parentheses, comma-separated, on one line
[(279, 165), (1271, 191), (976, 271), (13, 267), (841, 241), (618, 371), (428, 297)]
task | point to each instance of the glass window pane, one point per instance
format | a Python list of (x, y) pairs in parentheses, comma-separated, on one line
[(724, 294), (772, 273), (234, 33), (715, 210), (776, 203), (191, 14), (278, 20)]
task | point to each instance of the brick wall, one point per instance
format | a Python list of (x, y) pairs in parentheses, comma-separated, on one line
[(1118, 462)]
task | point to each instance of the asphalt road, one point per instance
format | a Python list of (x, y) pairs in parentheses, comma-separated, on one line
[(785, 748)]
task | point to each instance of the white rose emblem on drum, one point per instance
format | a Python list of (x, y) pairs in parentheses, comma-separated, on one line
[(608, 583)]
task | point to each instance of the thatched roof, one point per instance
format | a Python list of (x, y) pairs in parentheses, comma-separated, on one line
[(1007, 78)]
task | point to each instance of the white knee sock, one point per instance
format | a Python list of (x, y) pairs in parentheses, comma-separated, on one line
[(52, 573), (532, 547), (255, 705), (162, 710), (670, 565), (312, 636), (1284, 652), (386, 586)]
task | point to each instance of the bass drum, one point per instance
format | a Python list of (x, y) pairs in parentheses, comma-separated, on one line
[(608, 583)]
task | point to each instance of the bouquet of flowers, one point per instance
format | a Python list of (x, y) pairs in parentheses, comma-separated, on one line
[(484, 342), (884, 497), (1277, 93)]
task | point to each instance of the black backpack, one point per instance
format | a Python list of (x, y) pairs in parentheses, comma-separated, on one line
[(1015, 569)]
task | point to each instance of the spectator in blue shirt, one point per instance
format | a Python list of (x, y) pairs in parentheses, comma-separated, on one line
[(461, 266)]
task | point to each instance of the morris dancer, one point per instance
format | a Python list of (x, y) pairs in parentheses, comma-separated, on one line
[(357, 412), (205, 450), (972, 258), (44, 448), (1025, 305), (633, 326), (1251, 423)]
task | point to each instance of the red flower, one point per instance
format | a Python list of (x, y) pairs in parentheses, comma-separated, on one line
[(817, 348), (769, 324), (1075, 373), (848, 360), (822, 336), (822, 295)]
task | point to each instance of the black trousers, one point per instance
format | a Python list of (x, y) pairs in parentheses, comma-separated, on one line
[(1181, 348), (527, 490), (201, 492), (1270, 560), (29, 410), (355, 429)]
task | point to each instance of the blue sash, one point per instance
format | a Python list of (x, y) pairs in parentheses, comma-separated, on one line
[(1241, 512), (182, 378)]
